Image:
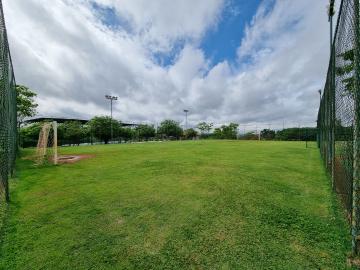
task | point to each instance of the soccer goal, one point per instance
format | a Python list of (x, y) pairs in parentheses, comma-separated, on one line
[(46, 150)]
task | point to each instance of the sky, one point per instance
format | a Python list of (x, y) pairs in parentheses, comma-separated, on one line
[(250, 62)]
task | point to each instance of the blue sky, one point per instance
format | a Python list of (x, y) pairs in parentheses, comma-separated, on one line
[(245, 61), (218, 44), (221, 43)]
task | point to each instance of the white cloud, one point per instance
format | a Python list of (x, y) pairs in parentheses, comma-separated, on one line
[(161, 23), (72, 60)]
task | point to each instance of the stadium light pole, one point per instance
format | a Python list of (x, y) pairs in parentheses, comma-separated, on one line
[(186, 113), (331, 13), (111, 98), (317, 122)]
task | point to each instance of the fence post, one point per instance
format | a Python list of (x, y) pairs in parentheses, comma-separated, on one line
[(329, 125), (333, 112), (356, 143)]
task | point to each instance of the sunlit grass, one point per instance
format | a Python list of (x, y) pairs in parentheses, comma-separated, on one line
[(176, 205)]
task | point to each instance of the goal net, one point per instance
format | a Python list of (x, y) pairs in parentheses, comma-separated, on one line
[(46, 150)]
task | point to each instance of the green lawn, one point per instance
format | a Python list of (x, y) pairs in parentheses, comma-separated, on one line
[(176, 205)]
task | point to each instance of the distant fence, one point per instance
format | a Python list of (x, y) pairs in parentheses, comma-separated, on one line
[(8, 132), (339, 114)]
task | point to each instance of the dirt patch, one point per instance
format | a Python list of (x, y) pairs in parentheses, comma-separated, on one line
[(355, 262), (72, 158)]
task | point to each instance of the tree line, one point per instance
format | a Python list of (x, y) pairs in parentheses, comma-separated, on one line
[(98, 130)]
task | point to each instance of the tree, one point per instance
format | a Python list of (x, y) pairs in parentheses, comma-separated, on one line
[(226, 131), (170, 128), (100, 127), (73, 132), (29, 135), (230, 131), (249, 136), (190, 133), (267, 134), (295, 134), (204, 127), (145, 132), (346, 71), (218, 133), (25, 103), (126, 133)]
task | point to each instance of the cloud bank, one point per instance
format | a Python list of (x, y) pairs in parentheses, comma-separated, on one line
[(73, 52)]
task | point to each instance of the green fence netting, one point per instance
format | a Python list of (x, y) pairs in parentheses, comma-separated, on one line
[(8, 130), (338, 121)]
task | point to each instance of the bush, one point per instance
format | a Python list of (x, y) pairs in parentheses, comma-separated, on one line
[(296, 134)]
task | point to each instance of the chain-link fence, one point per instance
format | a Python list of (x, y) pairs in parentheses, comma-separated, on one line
[(338, 116), (8, 130)]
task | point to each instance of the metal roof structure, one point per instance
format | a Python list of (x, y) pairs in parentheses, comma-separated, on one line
[(62, 120)]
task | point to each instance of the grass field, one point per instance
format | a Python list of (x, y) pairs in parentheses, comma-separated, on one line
[(176, 205)]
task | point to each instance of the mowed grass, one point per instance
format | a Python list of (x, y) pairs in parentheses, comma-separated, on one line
[(176, 205)]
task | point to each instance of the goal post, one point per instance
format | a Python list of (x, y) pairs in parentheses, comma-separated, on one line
[(55, 143), (46, 150)]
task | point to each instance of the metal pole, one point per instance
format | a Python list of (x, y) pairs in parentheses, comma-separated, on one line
[(111, 98), (331, 31), (356, 162), (186, 112), (111, 126), (319, 123), (332, 96)]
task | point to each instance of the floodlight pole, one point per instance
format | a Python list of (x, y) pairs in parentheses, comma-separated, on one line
[(186, 113), (111, 98), (331, 13), (319, 134)]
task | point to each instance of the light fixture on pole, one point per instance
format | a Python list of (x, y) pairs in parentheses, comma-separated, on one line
[(331, 13), (320, 94), (111, 98), (186, 113)]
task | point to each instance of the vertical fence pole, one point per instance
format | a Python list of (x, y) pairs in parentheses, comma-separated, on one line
[(333, 109), (356, 143), (328, 132), (331, 100)]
